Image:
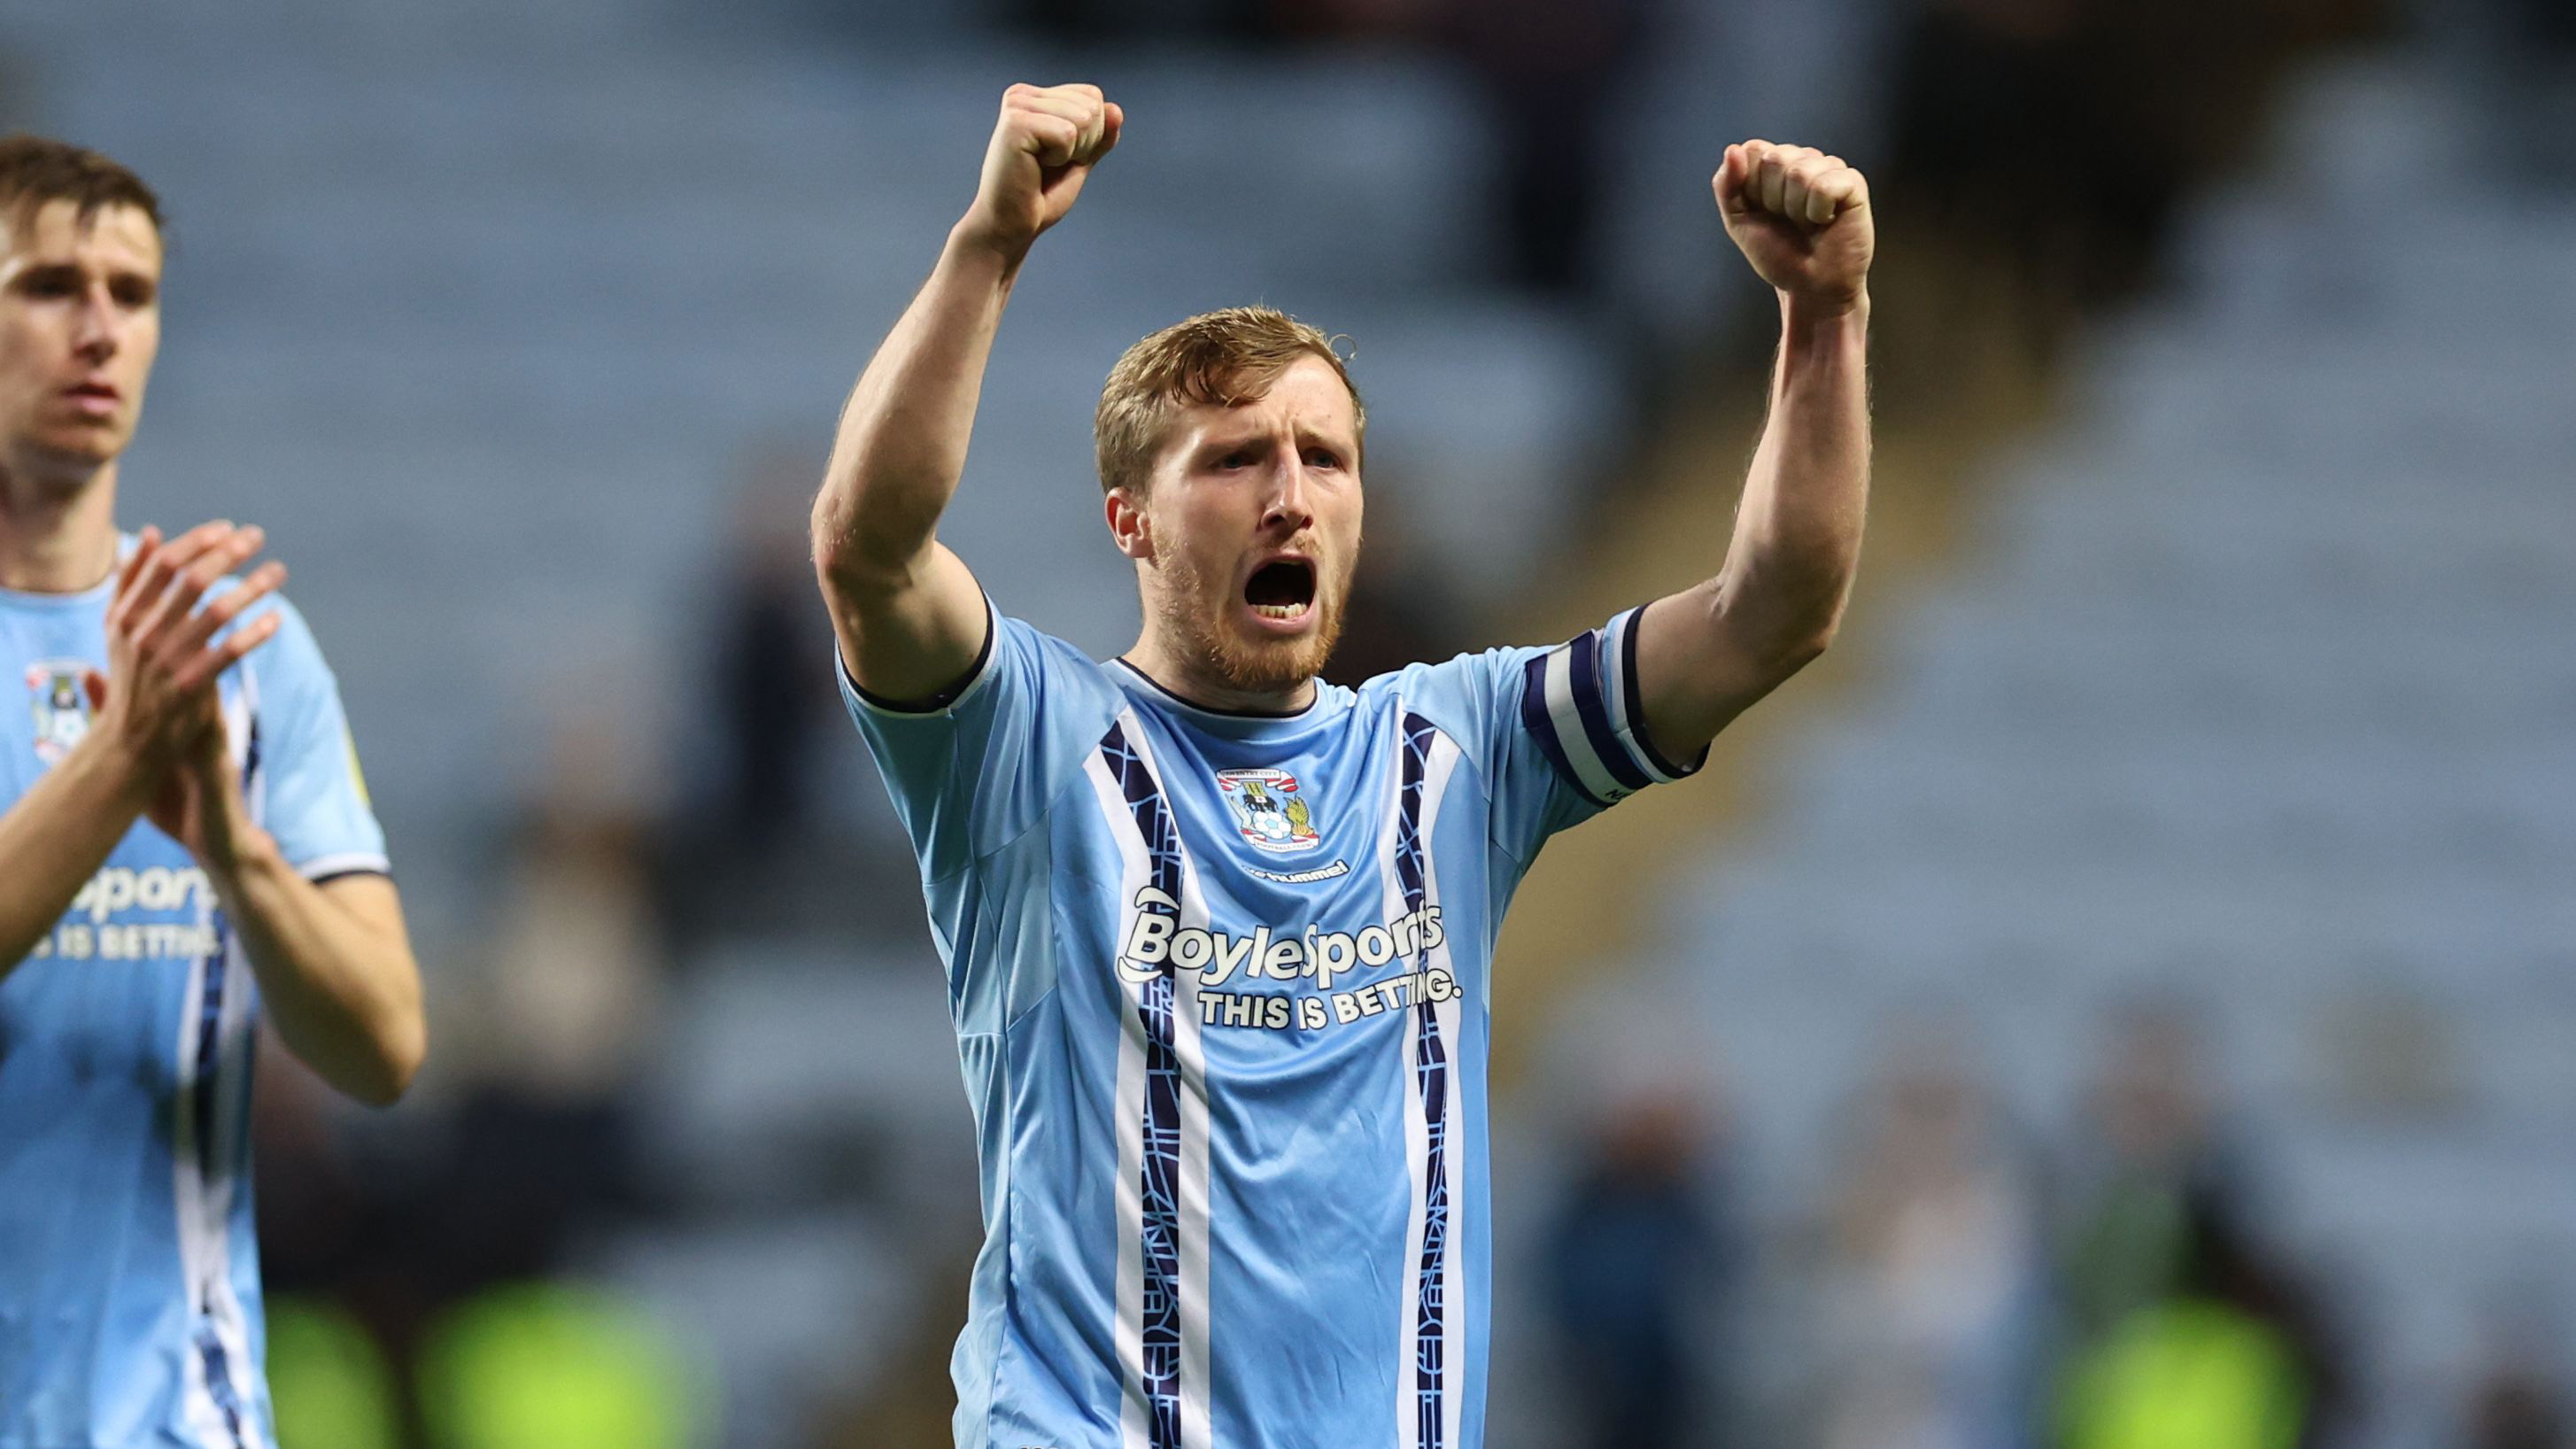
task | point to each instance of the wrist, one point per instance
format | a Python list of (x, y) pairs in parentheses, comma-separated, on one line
[(1809, 311), (123, 764), (979, 249), (240, 860)]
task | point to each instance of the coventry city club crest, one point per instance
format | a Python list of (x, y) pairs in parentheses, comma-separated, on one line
[(60, 704), (1268, 809)]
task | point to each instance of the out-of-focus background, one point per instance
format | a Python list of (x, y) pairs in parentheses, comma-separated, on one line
[(2123, 998)]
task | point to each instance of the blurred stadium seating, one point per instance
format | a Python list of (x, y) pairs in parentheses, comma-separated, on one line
[(2252, 687)]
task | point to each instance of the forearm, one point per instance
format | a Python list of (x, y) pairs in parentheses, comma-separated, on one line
[(58, 835), (339, 983), (902, 441), (1796, 545)]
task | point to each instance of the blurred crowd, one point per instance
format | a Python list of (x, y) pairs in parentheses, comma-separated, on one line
[(1963, 1282)]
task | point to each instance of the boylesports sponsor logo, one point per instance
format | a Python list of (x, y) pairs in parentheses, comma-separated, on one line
[(89, 931), (1154, 940), (153, 888)]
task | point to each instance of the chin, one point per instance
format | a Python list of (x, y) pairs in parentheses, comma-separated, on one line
[(1257, 664), (67, 463), (1275, 666), (88, 447)]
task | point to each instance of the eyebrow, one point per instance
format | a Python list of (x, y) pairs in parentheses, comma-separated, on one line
[(60, 268)]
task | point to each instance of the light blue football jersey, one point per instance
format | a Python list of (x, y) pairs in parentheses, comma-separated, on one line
[(129, 1277), (1221, 987)]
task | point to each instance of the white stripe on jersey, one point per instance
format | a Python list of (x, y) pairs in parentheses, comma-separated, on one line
[(200, 1243), (205, 1201), (1136, 859)]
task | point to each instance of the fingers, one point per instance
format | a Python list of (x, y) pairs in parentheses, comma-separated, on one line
[(1796, 183), (1050, 138), (154, 567), (146, 544), (1729, 181), (210, 621), (218, 559), (1062, 125), (235, 647), (161, 585)]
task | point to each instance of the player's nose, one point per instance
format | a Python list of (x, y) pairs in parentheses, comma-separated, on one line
[(99, 328), (1289, 507)]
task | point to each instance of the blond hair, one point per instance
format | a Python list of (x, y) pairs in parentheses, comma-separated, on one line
[(1227, 357)]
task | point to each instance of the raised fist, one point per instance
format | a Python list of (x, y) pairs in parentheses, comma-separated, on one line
[(1801, 218), (1043, 149)]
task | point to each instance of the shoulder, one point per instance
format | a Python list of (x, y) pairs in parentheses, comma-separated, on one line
[(1463, 689), (1023, 673)]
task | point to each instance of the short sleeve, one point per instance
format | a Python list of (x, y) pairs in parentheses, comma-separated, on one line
[(307, 783), (1568, 737), (969, 773)]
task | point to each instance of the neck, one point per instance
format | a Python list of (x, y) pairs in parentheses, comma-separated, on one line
[(57, 534), (1198, 681)]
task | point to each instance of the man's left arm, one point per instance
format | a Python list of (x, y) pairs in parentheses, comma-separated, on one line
[(334, 965), (304, 885), (1704, 655)]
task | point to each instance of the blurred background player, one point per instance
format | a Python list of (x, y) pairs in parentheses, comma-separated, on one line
[(1229, 1062), (188, 847)]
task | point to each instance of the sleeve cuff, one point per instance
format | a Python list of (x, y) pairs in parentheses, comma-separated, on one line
[(348, 862), (939, 703)]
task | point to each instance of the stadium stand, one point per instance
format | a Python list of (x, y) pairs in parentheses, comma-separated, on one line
[(2252, 689)]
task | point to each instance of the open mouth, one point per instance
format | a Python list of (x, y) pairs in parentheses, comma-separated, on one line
[(1283, 589)]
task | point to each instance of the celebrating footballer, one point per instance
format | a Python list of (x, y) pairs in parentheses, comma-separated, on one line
[(1218, 933)]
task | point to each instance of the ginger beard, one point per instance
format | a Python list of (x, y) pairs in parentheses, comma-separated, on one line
[(1201, 618)]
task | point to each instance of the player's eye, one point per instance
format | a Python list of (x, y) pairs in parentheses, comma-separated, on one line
[(1239, 458), (132, 292), (1323, 458), (50, 283)]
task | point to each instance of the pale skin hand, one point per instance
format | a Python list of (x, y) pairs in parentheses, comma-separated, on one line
[(62, 830), (908, 615), (333, 961), (1802, 219)]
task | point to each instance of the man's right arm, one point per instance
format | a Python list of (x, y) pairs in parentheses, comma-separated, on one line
[(910, 618), (163, 659), (58, 835)]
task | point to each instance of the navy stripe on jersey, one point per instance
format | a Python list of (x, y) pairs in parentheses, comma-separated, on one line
[(1162, 1125), (210, 1011), (210, 1005), (1430, 1371), (219, 1380)]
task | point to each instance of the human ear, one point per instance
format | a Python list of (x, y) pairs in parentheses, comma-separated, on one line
[(1128, 526)]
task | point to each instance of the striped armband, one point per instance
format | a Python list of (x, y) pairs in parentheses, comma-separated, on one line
[(1580, 702)]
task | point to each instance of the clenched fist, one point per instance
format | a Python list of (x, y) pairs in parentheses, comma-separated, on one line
[(1801, 218), (1043, 149)]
